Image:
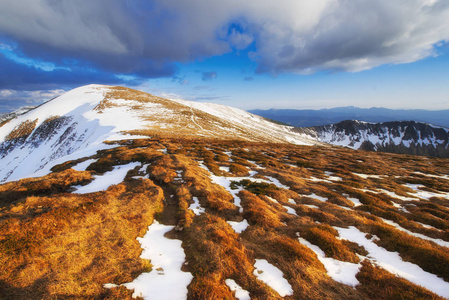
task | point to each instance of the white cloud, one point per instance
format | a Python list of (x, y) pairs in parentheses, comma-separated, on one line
[(13, 99), (289, 35), (6, 93)]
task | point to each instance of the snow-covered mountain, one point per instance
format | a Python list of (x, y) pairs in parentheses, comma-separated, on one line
[(8, 116), (398, 137), (78, 123)]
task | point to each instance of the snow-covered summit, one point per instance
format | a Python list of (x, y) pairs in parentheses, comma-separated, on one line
[(407, 137), (77, 123)]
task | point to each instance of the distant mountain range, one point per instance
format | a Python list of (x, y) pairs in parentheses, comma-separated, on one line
[(308, 118), (405, 137)]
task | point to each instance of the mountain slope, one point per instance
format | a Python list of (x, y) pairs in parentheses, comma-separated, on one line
[(396, 137), (221, 219), (144, 196), (78, 122)]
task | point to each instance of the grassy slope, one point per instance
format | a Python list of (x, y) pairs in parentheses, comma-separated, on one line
[(54, 244)]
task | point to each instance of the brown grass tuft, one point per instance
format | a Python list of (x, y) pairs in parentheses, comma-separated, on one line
[(257, 211), (23, 129), (376, 283), (77, 243)]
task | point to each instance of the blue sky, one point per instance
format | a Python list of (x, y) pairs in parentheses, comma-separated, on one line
[(308, 54)]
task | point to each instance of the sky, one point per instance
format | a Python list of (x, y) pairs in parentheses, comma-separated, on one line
[(307, 54)]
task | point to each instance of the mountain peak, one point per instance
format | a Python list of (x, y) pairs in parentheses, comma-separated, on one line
[(81, 120)]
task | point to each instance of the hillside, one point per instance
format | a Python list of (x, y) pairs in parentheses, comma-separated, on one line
[(396, 137), (139, 196), (78, 122)]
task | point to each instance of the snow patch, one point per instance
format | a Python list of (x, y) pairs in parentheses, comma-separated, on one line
[(290, 210), (225, 169), (165, 280), (240, 293), (196, 207), (239, 227), (340, 271), (273, 277), (102, 182), (424, 194), (226, 183), (353, 200), (418, 235), (277, 183), (311, 206), (315, 196), (82, 166), (392, 262)]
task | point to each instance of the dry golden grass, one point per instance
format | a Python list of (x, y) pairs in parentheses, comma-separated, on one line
[(23, 129), (258, 212), (377, 283), (325, 237), (44, 228), (54, 183), (68, 245)]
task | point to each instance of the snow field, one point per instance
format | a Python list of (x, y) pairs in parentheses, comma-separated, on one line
[(273, 277), (240, 293), (253, 123), (418, 235), (80, 134), (82, 166), (165, 280), (425, 194), (102, 182), (393, 263), (340, 271)]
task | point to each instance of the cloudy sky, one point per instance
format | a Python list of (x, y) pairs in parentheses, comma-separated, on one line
[(247, 54)]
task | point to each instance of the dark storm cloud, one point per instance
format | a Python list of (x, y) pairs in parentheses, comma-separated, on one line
[(146, 38), (23, 77)]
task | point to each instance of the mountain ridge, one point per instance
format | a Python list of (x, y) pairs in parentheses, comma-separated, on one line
[(82, 119), (310, 117), (403, 137)]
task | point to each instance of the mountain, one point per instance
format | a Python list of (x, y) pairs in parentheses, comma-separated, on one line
[(309, 118), (112, 193), (78, 122), (397, 137), (4, 117)]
